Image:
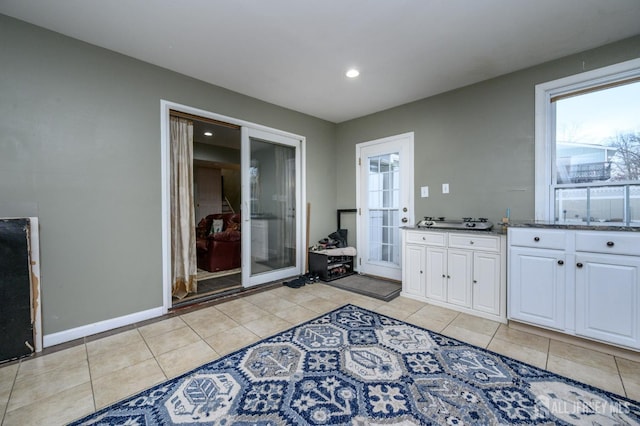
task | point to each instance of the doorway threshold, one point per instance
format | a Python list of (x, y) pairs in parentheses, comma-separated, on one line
[(223, 295), (207, 297)]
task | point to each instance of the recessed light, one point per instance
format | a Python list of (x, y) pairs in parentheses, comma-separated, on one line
[(352, 73), (208, 134)]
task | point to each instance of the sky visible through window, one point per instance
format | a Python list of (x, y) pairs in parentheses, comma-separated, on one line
[(596, 117)]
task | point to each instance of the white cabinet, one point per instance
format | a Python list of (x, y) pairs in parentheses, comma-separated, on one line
[(436, 274), (462, 271), (583, 283), (459, 270), (537, 286), (485, 294), (608, 298), (415, 256)]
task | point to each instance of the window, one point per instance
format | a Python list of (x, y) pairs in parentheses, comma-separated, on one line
[(588, 147)]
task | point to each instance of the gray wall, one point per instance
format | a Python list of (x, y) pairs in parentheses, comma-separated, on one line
[(479, 139), (80, 148)]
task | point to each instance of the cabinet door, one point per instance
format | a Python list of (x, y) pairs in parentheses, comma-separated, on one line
[(414, 273), (459, 268), (436, 273), (608, 298), (537, 286), (486, 283)]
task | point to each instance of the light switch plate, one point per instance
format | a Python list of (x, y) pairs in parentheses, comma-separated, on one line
[(424, 191), (445, 188)]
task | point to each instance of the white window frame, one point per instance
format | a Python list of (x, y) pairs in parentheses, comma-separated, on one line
[(545, 125), (165, 112)]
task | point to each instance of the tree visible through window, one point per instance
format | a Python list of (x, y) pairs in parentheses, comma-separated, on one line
[(598, 135), (592, 171)]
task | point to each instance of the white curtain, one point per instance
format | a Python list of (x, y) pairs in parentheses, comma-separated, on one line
[(285, 188), (183, 236)]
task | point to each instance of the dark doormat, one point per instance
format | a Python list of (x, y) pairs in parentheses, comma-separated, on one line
[(369, 286)]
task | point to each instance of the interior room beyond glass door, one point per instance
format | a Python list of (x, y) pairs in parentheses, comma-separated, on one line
[(270, 247)]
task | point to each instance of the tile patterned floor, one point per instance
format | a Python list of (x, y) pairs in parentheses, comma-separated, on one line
[(63, 385)]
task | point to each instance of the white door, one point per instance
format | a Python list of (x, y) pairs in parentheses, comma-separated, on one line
[(437, 273), (537, 286), (486, 283), (414, 282), (384, 186), (459, 277), (272, 200), (607, 298)]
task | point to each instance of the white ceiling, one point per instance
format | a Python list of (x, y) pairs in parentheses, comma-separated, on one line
[(294, 53)]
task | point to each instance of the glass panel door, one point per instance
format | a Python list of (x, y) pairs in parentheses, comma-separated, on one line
[(385, 199), (271, 222), (384, 208)]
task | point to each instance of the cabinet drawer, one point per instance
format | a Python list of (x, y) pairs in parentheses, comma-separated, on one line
[(609, 242), (476, 242), (431, 238), (539, 238)]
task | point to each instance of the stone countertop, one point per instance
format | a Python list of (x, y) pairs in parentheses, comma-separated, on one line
[(497, 229), (575, 226)]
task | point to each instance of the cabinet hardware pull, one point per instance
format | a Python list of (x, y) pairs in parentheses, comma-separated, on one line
[(536, 239), (610, 244), (560, 262), (470, 242), (444, 276), (420, 271), (579, 265), (475, 281), (448, 276)]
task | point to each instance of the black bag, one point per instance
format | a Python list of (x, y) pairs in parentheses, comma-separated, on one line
[(340, 236)]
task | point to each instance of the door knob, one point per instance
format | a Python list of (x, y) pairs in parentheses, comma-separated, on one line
[(609, 243), (405, 220), (404, 209), (560, 262), (579, 265)]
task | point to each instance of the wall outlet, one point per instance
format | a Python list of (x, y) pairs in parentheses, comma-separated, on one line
[(445, 188), (424, 191)]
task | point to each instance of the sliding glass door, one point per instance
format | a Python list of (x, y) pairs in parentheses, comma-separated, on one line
[(272, 223)]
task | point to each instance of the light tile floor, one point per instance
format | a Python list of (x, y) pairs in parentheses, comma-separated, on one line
[(64, 385)]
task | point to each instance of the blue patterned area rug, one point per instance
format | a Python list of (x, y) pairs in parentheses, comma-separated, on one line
[(356, 367)]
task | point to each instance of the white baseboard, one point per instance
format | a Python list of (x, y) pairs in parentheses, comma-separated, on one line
[(99, 327)]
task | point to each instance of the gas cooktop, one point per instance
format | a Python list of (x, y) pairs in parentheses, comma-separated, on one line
[(475, 224)]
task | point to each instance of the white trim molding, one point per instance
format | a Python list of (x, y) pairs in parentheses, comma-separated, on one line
[(36, 282), (99, 327), (165, 107), (544, 123), (404, 144)]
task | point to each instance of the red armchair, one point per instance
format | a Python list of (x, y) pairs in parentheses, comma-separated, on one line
[(218, 243)]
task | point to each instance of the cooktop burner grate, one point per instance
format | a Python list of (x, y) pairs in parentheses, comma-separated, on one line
[(476, 224)]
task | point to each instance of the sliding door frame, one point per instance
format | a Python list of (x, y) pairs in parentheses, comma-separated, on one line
[(165, 109)]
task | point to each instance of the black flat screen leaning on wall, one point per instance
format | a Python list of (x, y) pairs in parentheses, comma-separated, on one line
[(16, 330)]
